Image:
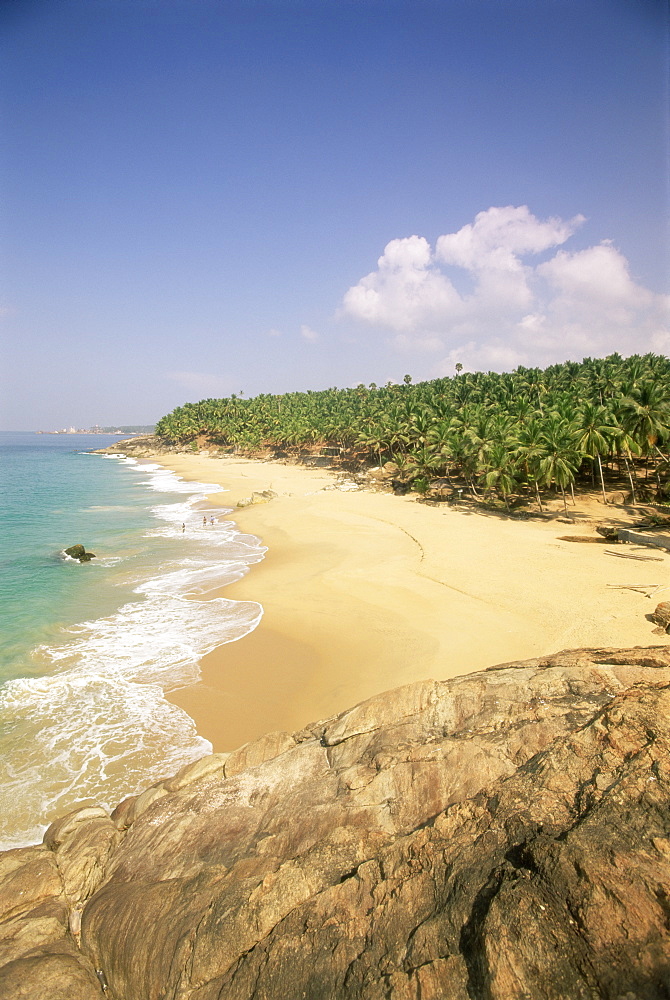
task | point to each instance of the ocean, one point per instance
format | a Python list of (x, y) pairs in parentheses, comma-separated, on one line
[(89, 650)]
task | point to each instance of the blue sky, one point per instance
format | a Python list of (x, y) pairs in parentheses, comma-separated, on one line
[(207, 197)]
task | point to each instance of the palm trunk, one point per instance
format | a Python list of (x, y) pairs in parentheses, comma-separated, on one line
[(630, 479), (602, 480), (565, 505), (537, 494), (658, 477)]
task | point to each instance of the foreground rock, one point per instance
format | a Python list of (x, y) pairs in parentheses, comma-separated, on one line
[(503, 835)]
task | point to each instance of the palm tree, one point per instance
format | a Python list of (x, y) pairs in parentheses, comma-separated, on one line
[(595, 431), (500, 471), (374, 440), (531, 449), (645, 415), (561, 459), (461, 423), (627, 447)]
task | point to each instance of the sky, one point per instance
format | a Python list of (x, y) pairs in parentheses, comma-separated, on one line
[(207, 197)]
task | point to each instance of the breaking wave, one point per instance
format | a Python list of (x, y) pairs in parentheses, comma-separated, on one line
[(97, 725)]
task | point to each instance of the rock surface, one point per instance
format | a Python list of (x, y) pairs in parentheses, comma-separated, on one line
[(80, 553), (499, 836), (661, 615), (261, 496)]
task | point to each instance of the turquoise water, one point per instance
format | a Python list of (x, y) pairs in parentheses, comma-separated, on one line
[(88, 651)]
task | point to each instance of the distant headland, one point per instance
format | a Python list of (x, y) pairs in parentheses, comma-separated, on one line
[(117, 429)]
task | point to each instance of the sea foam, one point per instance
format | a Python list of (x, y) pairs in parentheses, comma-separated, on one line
[(97, 726)]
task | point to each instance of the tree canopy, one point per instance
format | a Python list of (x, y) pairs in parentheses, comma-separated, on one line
[(505, 434)]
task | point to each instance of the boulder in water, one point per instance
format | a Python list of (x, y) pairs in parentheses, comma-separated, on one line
[(75, 551), (80, 553)]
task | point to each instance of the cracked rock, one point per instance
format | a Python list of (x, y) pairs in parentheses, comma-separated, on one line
[(497, 836)]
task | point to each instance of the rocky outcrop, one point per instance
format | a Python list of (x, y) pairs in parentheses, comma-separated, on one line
[(499, 836), (259, 496), (661, 616), (659, 540), (79, 552), (140, 446)]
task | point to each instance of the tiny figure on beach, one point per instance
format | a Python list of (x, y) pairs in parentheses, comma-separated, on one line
[(183, 527), (204, 522), (211, 520)]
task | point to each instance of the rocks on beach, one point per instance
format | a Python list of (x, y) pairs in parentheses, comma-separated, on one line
[(499, 835), (258, 496), (661, 617)]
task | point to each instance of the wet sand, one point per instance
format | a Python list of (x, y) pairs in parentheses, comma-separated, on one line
[(363, 591)]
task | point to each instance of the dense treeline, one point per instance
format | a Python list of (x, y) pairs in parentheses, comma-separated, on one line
[(606, 419)]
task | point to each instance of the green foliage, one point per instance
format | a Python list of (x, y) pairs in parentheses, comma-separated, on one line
[(512, 433), (420, 485)]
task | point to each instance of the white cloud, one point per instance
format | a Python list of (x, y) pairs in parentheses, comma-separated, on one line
[(308, 334), (499, 236), (512, 311), (407, 293), (597, 276), (494, 356), (274, 332)]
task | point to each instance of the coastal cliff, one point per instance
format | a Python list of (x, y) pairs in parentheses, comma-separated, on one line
[(501, 835)]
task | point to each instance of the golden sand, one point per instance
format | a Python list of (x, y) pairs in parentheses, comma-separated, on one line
[(364, 591)]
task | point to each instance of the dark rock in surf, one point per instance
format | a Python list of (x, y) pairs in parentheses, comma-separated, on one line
[(80, 553), (75, 551)]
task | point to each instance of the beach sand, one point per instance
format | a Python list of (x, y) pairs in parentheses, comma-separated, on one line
[(364, 591)]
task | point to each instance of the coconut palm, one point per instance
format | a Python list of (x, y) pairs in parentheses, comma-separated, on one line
[(531, 449), (500, 474), (619, 408), (561, 458), (646, 414), (595, 430)]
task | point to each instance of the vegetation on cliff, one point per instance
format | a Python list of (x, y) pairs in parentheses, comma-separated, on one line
[(511, 433)]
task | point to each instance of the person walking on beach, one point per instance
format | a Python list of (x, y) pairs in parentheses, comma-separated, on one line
[(204, 522), (183, 527)]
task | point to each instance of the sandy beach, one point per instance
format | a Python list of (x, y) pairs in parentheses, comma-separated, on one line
[(364, 591)]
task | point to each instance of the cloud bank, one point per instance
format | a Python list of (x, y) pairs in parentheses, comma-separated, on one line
[(476, 297)]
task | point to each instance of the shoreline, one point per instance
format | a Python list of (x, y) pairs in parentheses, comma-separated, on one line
[(365, 591)]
